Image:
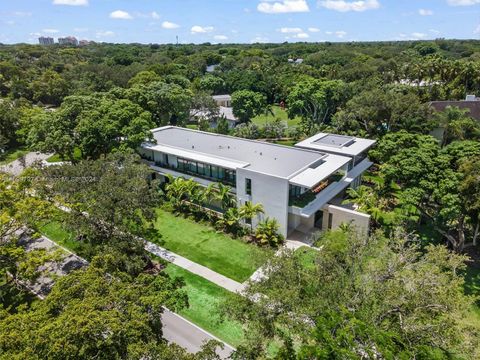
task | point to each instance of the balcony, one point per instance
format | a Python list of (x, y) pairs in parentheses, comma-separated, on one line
[(309, 196)]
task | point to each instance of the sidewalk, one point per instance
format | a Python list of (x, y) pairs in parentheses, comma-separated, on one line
[(197, 269)]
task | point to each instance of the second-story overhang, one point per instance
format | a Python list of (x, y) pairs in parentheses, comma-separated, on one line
[(196, 156), (313, 175)]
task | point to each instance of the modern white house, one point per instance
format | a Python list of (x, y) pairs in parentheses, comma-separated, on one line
[(302, 187)]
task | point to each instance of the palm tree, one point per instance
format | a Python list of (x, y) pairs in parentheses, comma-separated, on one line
[(457, 125), (250, 211), (224, 196), (267, 232), (230, 220)]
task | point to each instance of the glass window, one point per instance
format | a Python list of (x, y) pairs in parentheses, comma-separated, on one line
[(248, 186)]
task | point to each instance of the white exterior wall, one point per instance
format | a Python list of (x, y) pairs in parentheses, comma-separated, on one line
[(270, 191), (345, 216)]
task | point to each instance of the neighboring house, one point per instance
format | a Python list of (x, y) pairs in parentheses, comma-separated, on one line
[(295, 61), (301, 187), (223, 100), (471, 103), (224, 103)]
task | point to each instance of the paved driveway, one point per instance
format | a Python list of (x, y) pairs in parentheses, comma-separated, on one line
[(16, 167), (188, 335)]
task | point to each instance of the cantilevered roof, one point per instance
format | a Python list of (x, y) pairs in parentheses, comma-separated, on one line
[(232, 152), (337, 144), (314, 174)]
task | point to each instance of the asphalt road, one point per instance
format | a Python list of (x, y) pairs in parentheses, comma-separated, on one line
[(189, 336)]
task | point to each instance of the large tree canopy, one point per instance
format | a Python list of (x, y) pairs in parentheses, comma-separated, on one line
[(375, 298)]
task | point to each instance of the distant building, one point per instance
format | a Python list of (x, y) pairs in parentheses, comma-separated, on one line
[(225, 110), (84, 42), (295, 61), (69, 40), (472, 103), (223, 100), (45, 40)]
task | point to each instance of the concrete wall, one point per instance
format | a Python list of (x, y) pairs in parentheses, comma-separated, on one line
[(341, 216), (270, 191)]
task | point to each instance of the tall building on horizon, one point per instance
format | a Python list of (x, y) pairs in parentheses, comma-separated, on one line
[(69, 40), (45, 40)]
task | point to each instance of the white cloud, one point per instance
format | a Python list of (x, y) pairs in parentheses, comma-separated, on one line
[(103, 34), (50, 31), (418, 35), (220, 37), (340, 34), (301, 35), (71, 2), (259, 39), (154, 15), (283, 6), (197, 29), (120, 14), (425, 12), (287, 30), (169, 25), (344, 6), (462, 2), (313, 29), (80, 29), (477, 30)]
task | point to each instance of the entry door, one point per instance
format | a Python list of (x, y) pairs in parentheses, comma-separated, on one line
[(319, 219)]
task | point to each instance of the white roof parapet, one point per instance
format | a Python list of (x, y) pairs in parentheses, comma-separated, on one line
[(337, 144), (197, 156), (262, 157), (224, 97), (313, 175)]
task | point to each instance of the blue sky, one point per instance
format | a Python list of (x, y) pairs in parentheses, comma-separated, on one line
[(241, 21)]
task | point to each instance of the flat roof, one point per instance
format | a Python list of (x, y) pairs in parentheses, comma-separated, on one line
[(337, 144), (232, 152), (222, 97)]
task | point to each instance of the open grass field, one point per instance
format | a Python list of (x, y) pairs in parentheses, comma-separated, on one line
[(204, 245), (278, 113), (12, 155), (204, 298)]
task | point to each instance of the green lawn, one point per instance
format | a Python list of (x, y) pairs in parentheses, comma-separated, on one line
[(77, 155), (204, 245), (12, 155), (55, 231), (204, 298), (278, 114), (472, 287)]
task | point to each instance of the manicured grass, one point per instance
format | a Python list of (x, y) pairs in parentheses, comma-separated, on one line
[(204, 299), (12, 155), (77, 155), (278, 113), (472, 287), (204, 245), (55, 231)]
